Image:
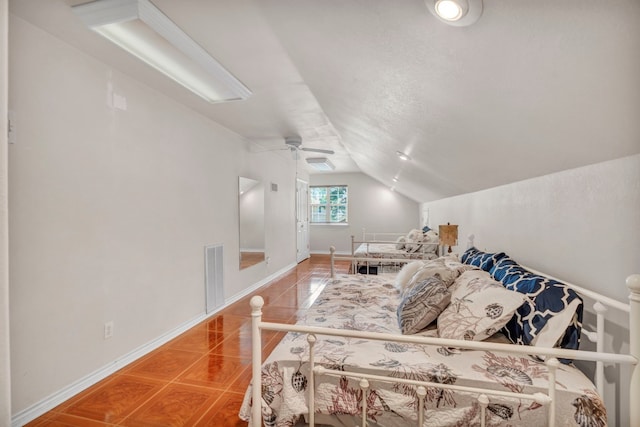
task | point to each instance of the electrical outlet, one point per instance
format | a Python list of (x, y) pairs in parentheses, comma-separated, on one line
[(108, 330)]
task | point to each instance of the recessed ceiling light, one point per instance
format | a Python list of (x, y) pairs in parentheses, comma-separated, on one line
[(450, 10), (402, 155), (395, 179), (458, 13)]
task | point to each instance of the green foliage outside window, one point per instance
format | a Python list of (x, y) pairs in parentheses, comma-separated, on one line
[(328, 204)]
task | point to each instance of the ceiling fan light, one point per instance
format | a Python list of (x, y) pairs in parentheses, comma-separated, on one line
[(450, 10)]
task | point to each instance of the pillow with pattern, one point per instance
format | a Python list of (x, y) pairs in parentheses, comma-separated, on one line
[(484, 260), (506, 270), (447, 275), (422, 305), (554, 317), (479, 307), (446, 268), (452, 262)]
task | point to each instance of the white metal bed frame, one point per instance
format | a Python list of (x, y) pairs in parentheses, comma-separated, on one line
[(551, 355), (381, 238)]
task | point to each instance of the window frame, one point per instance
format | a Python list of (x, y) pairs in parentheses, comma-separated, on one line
[(328, 205)]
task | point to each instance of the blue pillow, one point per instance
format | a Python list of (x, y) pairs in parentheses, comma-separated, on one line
[(484, 260), (506, 270), (548, 298)]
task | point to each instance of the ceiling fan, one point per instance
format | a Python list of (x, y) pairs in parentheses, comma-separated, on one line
[(294, 144)]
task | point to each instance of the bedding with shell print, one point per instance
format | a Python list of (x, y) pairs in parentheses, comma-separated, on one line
[(369, 303)]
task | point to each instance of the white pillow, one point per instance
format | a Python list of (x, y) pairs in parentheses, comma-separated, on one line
[(431, 237), (400, 241), (414, 240), (406, 273), (415, 235)]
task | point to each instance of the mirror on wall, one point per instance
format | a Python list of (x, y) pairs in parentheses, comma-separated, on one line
[(251, 211)]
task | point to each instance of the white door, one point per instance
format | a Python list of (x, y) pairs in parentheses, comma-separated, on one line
[(302, 219)]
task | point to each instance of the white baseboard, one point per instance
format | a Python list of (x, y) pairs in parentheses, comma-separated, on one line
[(34, 411), (345, 253), (257, 285)]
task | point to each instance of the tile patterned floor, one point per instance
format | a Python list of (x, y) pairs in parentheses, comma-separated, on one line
[(199, 378)]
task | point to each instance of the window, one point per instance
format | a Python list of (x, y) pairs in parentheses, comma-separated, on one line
[(328, 205)]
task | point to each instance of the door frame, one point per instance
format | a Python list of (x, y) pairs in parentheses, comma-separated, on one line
[(302, 210)]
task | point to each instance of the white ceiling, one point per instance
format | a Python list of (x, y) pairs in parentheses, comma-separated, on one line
[(533, 87)]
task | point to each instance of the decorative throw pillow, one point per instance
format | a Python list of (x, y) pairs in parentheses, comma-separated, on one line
[(555, 330), (400, 242), (447, 268), (479, 307), (422, 305), (506, 270), (452, 262), (414, 240), (406, 273), (532, 323), (484, 260), (430, 242), (445, 274), (554, 316)]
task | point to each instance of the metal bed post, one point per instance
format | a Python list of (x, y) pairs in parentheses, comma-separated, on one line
[(364, 385), (552, 365), (483, 400), (422, 393), (332, 251), (633, 283), (470, 239), (353, 255), (311, 339), (600, 310), (256, 360)]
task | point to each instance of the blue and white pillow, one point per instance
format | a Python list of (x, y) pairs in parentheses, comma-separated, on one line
[(484, 260), (506, 270), (553, 318)]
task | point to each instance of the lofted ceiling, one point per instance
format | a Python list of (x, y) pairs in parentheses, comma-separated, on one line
[(531, 88)]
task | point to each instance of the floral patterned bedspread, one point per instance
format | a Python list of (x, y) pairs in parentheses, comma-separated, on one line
[(368, 303), (389, 251)]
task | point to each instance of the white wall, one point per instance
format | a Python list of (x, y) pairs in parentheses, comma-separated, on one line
[(371, 205), (581, 225), (5, 378), (110, 211)]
